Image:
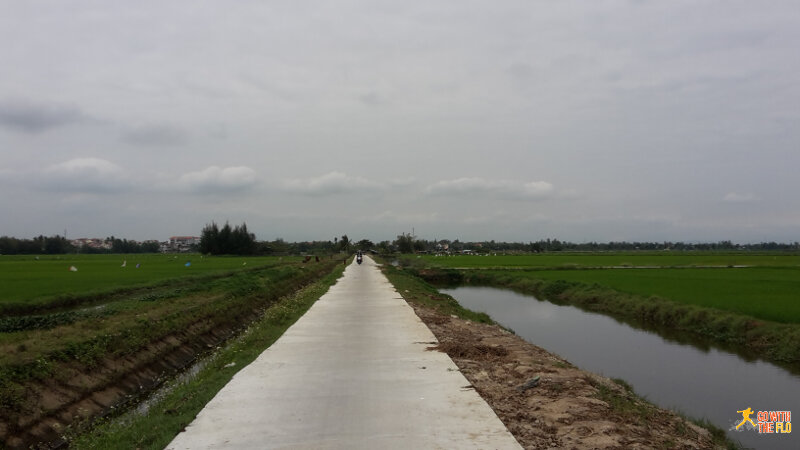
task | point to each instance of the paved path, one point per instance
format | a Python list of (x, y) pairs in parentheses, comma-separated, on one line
[(353, 372)]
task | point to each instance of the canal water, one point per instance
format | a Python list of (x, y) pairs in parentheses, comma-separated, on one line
[(700, 382)]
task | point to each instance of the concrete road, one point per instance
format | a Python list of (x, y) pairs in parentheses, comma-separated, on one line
[(353, 372)]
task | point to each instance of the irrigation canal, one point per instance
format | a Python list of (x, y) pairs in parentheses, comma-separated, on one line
[(702, 382)]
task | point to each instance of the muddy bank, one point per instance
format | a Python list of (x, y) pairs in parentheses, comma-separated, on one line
[(567, 407)]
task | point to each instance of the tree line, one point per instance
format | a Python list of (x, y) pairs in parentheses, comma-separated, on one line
[(405, 243), (59, 245), (238, 240)]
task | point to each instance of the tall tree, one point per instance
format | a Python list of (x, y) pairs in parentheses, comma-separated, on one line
[(405, 243), (365, 244), (209, 239), (227, 240), (344, 243)]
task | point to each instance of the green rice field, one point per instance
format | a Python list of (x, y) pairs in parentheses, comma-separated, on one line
[(621, 259), (762, 292), (26, 279), (765, 286)]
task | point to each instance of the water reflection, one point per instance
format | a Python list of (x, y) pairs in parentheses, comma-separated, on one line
[(708, 383)]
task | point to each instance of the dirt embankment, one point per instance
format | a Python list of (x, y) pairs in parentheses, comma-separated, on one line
[(78, 394), (567, 408)]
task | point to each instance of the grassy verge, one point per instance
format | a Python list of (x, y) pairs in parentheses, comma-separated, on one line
[(178, 408), (416, 290)]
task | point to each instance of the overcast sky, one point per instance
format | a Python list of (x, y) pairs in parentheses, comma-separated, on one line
[(477, 120)]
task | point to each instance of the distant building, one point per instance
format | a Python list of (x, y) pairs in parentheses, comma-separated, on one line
[(91, 243), (181, 243)]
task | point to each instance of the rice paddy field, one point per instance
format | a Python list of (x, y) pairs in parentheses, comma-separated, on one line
[(764, 286), (74, 343), (28, 279), (621, 259)]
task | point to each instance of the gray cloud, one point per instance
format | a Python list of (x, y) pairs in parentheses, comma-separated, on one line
[(155, 135), (34, 118), (418, 217), (84, 175), (372, 99), (509, 189), (401, 182), (735, 197), (332, 183), (217, 180)]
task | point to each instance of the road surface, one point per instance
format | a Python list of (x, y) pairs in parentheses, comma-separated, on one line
[(353, 372)]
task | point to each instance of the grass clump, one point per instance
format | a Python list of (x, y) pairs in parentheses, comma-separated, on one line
[(629, 406)]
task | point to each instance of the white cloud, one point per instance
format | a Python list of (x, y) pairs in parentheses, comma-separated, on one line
[(329, 184), (216, 180), (89, 175), (510, 189), (735, 197), (82, 165)]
